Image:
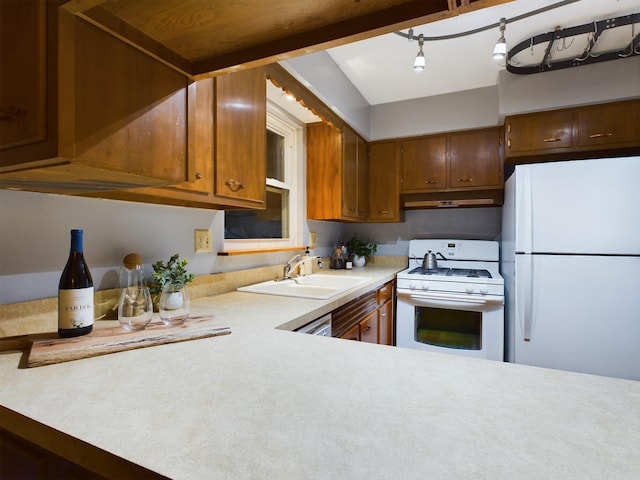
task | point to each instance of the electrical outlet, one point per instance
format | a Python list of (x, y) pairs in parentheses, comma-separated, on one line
[(202, 241), (312, 240)]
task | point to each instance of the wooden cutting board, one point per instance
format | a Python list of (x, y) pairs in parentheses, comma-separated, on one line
[(47, 349)]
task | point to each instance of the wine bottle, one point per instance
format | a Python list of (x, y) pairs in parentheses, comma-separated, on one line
[(75, 293)]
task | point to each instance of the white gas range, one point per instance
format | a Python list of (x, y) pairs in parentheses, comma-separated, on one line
[(457, 307)]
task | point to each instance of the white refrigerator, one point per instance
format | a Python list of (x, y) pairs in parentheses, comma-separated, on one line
[(570, 258)]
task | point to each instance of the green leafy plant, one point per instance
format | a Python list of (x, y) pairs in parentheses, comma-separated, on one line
[(173, 272), (362, 248)]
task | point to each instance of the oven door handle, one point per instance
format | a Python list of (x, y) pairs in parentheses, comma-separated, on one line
[(451, 300)]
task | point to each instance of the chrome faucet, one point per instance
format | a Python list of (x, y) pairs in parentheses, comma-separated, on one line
[(289, 266)]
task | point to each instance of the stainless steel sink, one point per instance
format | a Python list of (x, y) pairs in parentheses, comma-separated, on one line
[(318, 286)]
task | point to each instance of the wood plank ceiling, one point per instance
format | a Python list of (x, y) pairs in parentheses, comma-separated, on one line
[(209, 37)]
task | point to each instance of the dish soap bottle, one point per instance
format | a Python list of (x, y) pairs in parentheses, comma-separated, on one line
[(306, 267)]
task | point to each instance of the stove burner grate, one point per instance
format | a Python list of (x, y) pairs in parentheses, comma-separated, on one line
[(452, 272)]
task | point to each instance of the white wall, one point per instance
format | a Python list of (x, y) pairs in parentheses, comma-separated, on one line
[(463, 110), (596, 83), (333, 87)]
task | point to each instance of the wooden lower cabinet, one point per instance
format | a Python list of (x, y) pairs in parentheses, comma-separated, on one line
[(20, 459), (57, 456), (368, 318)]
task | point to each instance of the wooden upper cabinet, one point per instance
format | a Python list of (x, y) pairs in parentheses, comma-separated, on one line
[(241, 138), (424, 164), (23, 89), (475, 159), (241, 162), (536, 132), (91, 113), (580, 132), (337, 174), (614, 124), (362, 182), (349, 174), (468, 160), (384, 182)]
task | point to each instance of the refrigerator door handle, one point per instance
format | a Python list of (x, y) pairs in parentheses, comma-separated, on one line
[(524, 294), (524, 215)]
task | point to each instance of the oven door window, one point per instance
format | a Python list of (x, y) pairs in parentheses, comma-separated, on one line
[(459, 329)]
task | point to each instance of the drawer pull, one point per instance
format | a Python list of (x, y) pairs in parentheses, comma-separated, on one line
[(383, 212), (551, 139), (234, 185), (600, 135), (431, 182), (465, 179)]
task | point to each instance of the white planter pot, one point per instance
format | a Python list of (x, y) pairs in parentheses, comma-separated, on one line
[(359, 261)]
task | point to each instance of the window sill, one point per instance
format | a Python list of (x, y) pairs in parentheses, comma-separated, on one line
[(253, 251)]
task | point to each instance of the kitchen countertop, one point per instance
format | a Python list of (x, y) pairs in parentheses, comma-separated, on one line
[(265, 402)]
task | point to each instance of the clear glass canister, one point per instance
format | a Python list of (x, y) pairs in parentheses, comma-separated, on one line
[(132, 271)]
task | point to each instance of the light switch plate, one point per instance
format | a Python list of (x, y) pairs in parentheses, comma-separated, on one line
[(203, 241)]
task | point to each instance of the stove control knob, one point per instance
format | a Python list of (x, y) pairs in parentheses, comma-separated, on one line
[(469, 288), (484, 289), (412, 285), (425, 285)]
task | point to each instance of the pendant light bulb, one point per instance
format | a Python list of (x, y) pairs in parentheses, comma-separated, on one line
[(419, 63), (500, 50)]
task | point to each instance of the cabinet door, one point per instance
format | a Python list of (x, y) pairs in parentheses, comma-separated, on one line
[(369, 328), (241, 138), (539, 132), (424, 164), (475, 159), (612, 124), (362, 179), (130, 109), (352, 334), (349, 173), (324, 172), (23, 63), (385, 323), (384, 182)]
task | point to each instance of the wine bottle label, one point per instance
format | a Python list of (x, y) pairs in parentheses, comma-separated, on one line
[(75, 308)]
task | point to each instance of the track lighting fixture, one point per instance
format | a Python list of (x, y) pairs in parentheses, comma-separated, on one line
[(500, 50), (419, 63)]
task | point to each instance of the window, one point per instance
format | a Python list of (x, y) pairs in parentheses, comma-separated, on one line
[(280, 224)]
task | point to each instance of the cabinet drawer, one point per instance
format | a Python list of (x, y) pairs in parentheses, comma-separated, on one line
[(385, 293)]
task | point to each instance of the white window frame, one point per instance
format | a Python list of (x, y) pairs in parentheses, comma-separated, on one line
[(293, 133)]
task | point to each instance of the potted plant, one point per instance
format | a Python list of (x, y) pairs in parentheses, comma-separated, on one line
[(360, 250), (169, 281)]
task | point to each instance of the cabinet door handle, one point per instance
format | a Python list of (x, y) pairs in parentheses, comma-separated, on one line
[(431, 182), (465, 179), (198, 176), (551, 139), (383, 314), (11, 113), (234, 185), (600, 135), (366, 329)]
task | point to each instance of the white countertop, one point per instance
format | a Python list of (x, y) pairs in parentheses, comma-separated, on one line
[(266, 403)]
